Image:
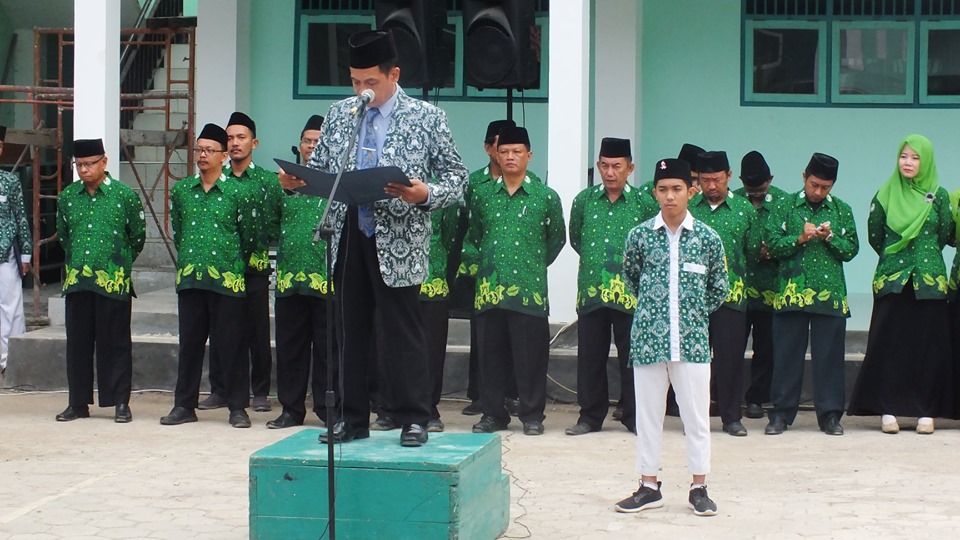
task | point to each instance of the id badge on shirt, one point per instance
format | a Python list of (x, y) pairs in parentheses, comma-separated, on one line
[(694, 267)]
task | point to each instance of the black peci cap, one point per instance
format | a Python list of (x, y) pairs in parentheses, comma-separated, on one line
[(754, 169), (494, 128), (88, 148), (615, 148), (240, 119), (672, 168), (371, 48), (514, 135), (823, 166), (712, 162), (214, 132)]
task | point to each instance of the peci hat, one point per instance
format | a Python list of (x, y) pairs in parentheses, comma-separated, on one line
[(672, 168), (712, 162), (314, 123), (494, 128), (240, 119), (615, 148), (88, 148), (754, 169), (688, 153), (514, 135), (214, 132), (372, 48), (822, 166)]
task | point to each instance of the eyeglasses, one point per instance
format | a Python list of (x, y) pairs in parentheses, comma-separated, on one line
[(309, 142), (206, 151), (87, 164)]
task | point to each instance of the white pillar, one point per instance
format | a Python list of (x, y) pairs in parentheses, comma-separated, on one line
[(216, 78), (567, 132), (615, 76), (96, 67)]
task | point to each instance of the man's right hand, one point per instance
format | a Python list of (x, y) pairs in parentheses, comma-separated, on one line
[(289, 181)]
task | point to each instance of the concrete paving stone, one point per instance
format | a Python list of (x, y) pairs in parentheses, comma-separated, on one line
[(32, 536), (119, 532), (74, 530)]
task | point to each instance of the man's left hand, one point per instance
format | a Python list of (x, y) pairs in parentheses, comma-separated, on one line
[(24, 268), (415, 193)]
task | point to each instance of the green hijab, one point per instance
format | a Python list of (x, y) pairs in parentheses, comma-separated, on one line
[(907, 203)]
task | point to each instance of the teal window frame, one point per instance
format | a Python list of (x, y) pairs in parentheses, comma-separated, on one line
[(763, 97), (925, 28), (910, 65), (301, 90)]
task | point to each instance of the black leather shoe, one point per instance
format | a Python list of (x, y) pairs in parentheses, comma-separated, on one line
[(285, 420), (72, 413), (239, 418), (473, 409), (384, 423), (489, 424), (617, 414), (512, 406), (735, 428), (775, 426), (753, 410), (831, 426), (435, 425), (413, 435), (179, 415), (343, 433), (533, 428), (213, 401), (122, 414), (580, 428)]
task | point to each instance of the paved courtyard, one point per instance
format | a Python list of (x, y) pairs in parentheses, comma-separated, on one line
[(92, 478)]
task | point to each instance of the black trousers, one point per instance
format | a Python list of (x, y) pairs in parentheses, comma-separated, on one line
[(97, 323), (761, 365), (504, 334), (436, 323), (206, 314), (827, 335), (256, 306), (371, 310), (473, 376), (301, 322), (593, 350), (726, 370)]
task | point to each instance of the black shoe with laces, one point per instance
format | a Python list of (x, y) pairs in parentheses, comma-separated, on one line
[(642, 499), (700, 502)]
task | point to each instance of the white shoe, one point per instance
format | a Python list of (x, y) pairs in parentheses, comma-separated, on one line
[(925, 425), (888, 423)]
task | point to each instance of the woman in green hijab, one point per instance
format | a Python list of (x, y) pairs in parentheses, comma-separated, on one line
[(907, 368)]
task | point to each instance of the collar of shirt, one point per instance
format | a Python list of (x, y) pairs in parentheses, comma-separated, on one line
[(703, 200), (195, 181), (801, 199), (389, 105), (103, 187), (602, 192), (525, 185), (687, 222), (246, 172)]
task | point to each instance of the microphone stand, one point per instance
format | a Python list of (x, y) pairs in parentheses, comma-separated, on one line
[(325, 229)]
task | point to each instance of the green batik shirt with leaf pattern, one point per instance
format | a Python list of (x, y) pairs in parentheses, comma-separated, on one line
[(262, 196), (101, 235), (920, 260), (734, 219), (444, 224), (211, 233), (516, 237), (14, 228), (761, 279), (469, 257), (811, 276), (955, 267), (648, 203), (301, 264), (598, 231)]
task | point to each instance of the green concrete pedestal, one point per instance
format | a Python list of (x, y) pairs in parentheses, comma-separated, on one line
[(452, 488)]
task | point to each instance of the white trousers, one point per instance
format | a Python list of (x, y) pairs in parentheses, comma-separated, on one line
[(11, 304), (691, 383)]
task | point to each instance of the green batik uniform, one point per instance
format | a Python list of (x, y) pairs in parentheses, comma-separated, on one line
[(444, 223), (211, 233), (955, 267), (516, 237), (920, 260), (598, 230), (811, 274), (649, 206), (301, 263), (734, 220), (262, 196), (14, 228), (702, 285), (761, 282), (101, 235)]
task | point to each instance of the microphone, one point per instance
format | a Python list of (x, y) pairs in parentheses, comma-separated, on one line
[(366, 97)]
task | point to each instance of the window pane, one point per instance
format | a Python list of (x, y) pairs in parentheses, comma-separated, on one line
[(873, 61), (785, 61), (943, 64), (327, 50)]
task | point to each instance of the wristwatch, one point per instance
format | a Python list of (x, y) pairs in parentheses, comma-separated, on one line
[(829, 237)]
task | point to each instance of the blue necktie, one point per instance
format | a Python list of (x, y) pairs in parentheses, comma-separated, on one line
[(369, 152)]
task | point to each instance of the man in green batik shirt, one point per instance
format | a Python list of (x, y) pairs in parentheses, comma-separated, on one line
[(16, 247), (761, 281), (212, 236), (302, 294), (600, 219), (811, 235), (101, 228), (733, 217), (261, 198), (517, 226), (465, 264)]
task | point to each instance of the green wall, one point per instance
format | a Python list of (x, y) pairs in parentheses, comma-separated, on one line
[(280, 118), (691, 93)]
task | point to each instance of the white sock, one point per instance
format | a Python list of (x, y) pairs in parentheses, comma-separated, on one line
[(651, 485), (697, 486), (924, 420), (888, 419)]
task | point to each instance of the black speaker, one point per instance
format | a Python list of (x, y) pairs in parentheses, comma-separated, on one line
[(497, 52), (418, 28)]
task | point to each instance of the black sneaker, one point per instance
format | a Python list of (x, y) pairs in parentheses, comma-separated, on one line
[(700, 502), (643, 499)]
